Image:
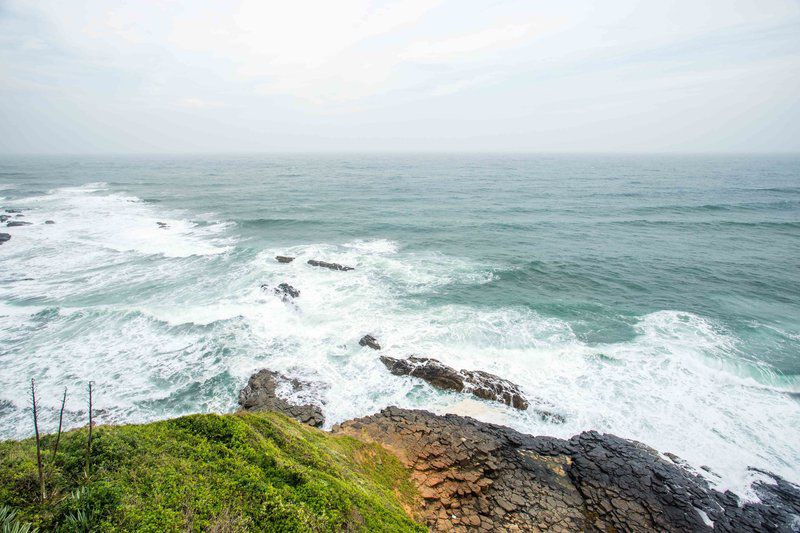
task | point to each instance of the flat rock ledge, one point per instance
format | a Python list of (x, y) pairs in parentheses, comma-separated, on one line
[(481, 384), (260, 395), (475, 476), (284, 259)]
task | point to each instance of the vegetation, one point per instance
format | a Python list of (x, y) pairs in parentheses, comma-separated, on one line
[(237, 472)]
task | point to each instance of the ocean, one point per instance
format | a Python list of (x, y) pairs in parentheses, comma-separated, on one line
[(653, 297)]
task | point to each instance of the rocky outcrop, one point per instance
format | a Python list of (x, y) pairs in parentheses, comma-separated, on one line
[(369, 340), (15, 223), (331, 266), (284, 291), (284, 259), (4, 237), (260, 395), (474, 476), (481, 384), (49, 221)]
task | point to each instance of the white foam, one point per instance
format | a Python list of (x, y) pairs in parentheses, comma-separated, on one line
[(200, 325)]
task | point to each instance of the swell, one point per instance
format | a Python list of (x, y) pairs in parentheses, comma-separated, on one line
[(258, 223)]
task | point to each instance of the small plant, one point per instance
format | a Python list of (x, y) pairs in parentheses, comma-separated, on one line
[(82, 519), (10, 524), (38, 442)]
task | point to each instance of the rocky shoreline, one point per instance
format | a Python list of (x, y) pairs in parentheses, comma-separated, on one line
[(475, 476)]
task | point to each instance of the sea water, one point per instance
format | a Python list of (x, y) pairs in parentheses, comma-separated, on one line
[(653, 297)]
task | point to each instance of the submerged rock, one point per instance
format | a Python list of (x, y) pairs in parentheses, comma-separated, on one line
[(332, 266), (13, 211), (49, 222), (284, 290), (474, 476), (369, 340), (4, 237), (3, 218), (15, 223), (284, 258), (481, 384), (162, 225), (260, 395)]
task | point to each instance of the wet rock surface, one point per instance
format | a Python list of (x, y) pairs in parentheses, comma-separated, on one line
[(481, 384), (475, 476), (284, 259), (3, 218), (4, 237), (15, 223), (284, 291), (369, 340), (49, 221), (331, 266), (260, 395), (13, 211)]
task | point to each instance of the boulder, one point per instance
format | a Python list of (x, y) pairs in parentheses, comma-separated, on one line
[(475, 476), (4, 237), (284, 290), (260, 395), (15, 223), (481, 384), (331, 266), (369, 340), (284, 258), (49, 222)]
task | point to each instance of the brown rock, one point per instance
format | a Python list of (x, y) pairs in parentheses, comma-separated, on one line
[(481, 384)]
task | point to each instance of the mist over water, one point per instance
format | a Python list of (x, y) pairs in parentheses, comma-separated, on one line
[(652, 297)]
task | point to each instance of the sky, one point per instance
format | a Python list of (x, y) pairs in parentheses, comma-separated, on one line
[(159, 76)]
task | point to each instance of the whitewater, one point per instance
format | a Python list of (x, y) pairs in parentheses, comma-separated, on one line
[(484, 264)]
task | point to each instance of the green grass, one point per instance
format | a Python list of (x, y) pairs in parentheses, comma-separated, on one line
[(237, 472)]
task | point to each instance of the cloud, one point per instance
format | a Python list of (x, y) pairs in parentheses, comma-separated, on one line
[(467, 45), (463, 68), (199, 103)]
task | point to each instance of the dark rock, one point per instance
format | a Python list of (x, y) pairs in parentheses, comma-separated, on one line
[(49, 222), (13, 211), (369, 340), (284, 290), (20, 216), (284, 259), (481, 384), (332, 266), (15, 223), (162, 225), (260, 395), (4, 237), (3, 218), (470, 472)]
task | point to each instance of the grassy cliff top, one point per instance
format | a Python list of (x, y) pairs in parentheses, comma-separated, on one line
[(236, 472)]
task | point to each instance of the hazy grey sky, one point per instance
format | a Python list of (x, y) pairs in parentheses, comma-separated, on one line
[(194, 76)]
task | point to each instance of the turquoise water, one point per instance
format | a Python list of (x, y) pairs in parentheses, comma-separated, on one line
[(655, 297)]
